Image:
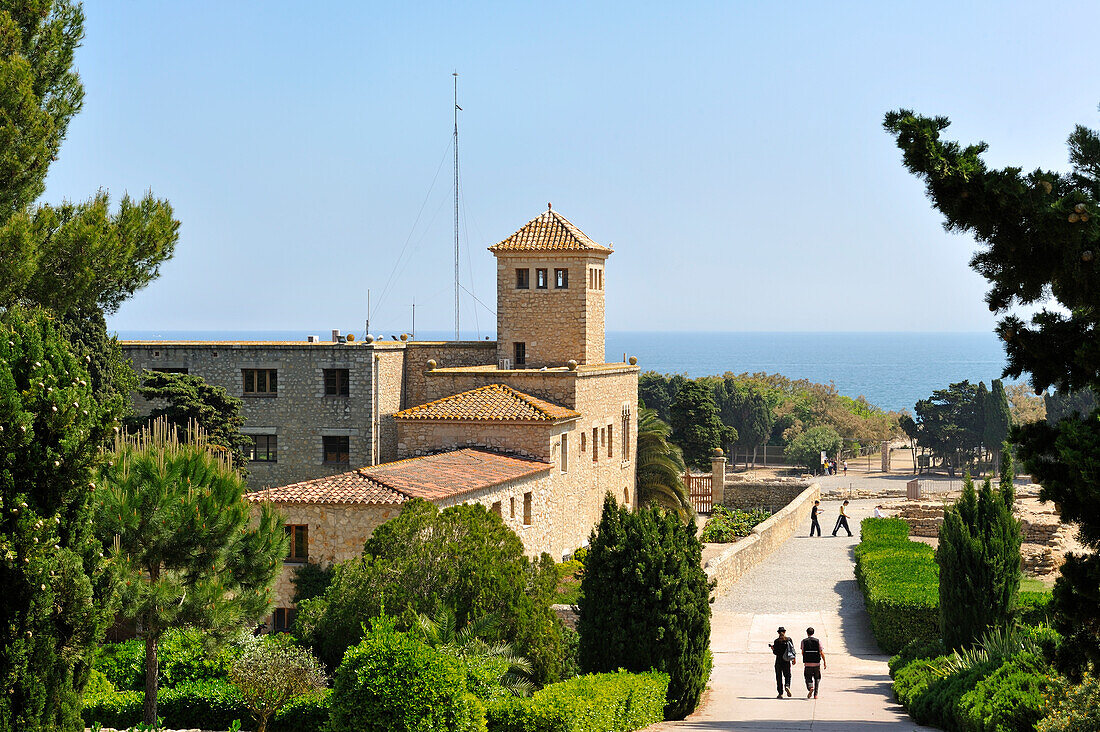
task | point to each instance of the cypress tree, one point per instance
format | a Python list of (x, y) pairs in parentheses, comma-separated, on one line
[(979, 561), (55, 587), (645, 602), (997, 421)]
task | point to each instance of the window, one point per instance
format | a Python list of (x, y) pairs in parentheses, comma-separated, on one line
[(584, 441), (336, 449), (512, 507), (282, 620), (595, 444), (526, 509), (626, 434), (265, 449), (168, 370), (299, 542), (336, 382), (496, 508), (260, 381), (542, 281), (520, 352), (565, 453), (626, 496), (561, 279), (610, 442), (523, 279)]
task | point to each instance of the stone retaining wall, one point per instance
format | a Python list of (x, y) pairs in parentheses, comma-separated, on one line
[(771, 494), (731, 564)]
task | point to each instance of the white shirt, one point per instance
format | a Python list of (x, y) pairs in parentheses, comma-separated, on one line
[(879, 513)]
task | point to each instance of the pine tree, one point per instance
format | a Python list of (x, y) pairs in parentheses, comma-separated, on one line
[(1040, 236), (696, 426), (174, 514), (645, 602), (979, 560), (55, 588)]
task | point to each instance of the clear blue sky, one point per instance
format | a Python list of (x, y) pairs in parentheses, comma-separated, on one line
[(733, 152)]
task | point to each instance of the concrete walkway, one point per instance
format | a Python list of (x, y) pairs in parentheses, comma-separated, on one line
[(806, 582)]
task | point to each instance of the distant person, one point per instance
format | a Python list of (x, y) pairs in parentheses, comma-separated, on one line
[(845, 467), (842, 520), (814, 525), (783, 648), (813, 662), (879, 513)]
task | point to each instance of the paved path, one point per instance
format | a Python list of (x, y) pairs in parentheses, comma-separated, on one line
[(806, 582)]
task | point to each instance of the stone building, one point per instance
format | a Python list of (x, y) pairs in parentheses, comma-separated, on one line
[(328, 418)]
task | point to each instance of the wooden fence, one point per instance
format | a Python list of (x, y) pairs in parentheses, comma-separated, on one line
[(699, 489)]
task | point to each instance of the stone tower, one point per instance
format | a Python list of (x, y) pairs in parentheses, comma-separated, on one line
[(550, 295)]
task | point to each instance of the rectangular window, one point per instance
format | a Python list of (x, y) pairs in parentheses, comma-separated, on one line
[(561, 279), (512, 507), (595, 444), (337, 450), (526, 509), (260, 381), (626, 434), (265, 449), (336, 382), (496, 508), (520, 353), (523, 279), (610, 442), (299, 542), (542, 281), (584, 441), (282, 620), (565, 453)]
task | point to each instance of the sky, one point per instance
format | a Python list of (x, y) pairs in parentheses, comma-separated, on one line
[(732, 152)]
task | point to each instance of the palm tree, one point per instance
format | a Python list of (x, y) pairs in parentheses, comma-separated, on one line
[(442, 633), (660, 475)]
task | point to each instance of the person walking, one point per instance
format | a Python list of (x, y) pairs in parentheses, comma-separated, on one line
[(845, 467), (813, 662), (783, 648), (842, 520), (814, 524)]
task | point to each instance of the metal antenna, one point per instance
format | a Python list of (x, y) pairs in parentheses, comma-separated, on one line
[(457, 110)]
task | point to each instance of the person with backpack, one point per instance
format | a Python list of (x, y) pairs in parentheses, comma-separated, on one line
[(813, 661), (783, 648)]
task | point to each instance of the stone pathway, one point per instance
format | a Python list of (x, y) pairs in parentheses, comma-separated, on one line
[(806, 582)]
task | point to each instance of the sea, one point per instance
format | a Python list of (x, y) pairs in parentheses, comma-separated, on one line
[(892, 370)]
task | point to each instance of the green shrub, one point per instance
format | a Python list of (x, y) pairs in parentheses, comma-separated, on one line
[(483, 676), (1074, 708), (568, 591), (311, 580), (391, 681), (1033, 608), (1046, 640), (730, 524), (183, 657), (913, 679), (614, 702), (98, 684), (1011, 699), (900, 584), (932, 698), (914, 650), (645, 602)]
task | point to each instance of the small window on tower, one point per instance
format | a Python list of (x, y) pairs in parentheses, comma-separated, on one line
[(541, 279), (520, 353), (561, 279), (523, 279)]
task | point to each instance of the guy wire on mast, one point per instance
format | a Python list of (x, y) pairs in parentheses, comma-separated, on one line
[(456, 111)]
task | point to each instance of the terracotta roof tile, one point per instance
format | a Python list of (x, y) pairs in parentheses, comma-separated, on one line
[(549, 231), (495, 402), (431, 477)]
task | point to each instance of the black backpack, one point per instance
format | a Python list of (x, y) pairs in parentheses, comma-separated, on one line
[(811, 650)]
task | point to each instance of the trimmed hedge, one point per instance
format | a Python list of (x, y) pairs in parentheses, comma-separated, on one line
[(182, 657), (201, 704), (1011, 699), (915, 650), (900, 584), (615, 702)]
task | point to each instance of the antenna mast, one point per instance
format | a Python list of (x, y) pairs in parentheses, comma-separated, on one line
[(457, 110)]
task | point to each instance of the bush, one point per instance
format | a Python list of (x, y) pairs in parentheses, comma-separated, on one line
[(916, 650), (1034, 608), (596, 703), (311, 580), (939, 705), (1011, 699), (645, 602), (1075, 708), (900, 585), (270, 673), (568, 591), (184, 657), (393, 681), (730, 524), (912, 680), (806, 448)]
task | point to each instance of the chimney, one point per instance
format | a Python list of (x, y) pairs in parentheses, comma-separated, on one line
[(336, 337)]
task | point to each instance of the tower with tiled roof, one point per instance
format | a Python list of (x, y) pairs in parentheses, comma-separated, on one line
[(550, 295)]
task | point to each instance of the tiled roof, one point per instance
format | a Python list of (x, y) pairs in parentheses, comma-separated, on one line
[(495, 402), (549, 231), (432, 477)]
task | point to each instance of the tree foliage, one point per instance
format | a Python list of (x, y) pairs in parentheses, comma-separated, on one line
[(660, 467), (57, 590), (696, 426), (747, 408), (186, 399), (193, 551), (464, 558), (806, 448), (979, 560), (645, 602), (1039, 237), (270, 673)]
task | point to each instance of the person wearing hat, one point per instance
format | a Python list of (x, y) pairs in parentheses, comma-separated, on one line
[(783, 648)]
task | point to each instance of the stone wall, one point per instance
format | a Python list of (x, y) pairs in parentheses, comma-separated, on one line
[(771, 494), (766, 537), (537, 536), (555, 325), (422, 437)]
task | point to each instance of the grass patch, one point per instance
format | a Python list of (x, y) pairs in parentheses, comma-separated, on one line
[(568, 591)]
